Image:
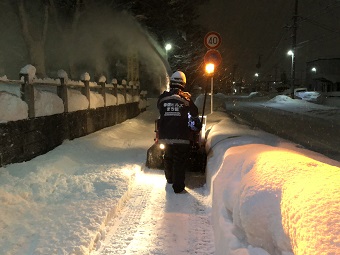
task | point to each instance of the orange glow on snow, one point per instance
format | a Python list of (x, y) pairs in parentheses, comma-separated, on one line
[(302, 184)]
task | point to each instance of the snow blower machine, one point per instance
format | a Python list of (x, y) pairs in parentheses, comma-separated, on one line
[(197, 157)]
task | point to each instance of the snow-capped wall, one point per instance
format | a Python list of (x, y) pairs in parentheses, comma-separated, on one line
[(44, 101)]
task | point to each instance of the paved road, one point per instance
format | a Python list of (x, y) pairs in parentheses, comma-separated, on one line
[(312, 130)]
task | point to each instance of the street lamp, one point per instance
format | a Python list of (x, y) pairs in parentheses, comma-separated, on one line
[(291, 53), (210, 69), (168, 47), (256, 82), (313, 78)]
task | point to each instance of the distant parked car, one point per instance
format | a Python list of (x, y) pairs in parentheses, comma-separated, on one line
[(303, 94), (310, 96), (299, 92), (287, 92)]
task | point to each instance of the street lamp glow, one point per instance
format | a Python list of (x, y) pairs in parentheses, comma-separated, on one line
[(256, 74), (291, 53), (168, 46), (209, 68), (314, 69)]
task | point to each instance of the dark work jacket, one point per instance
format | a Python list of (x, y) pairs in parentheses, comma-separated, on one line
[(174, 106)]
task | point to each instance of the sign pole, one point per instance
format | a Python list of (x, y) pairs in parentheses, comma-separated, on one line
[(212, 40), (205, 99), (212, 94)]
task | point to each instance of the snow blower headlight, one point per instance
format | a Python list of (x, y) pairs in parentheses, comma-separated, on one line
[(162, 146)]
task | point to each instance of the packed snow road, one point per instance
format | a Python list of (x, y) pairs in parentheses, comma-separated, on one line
[(316, 130), (155, 220)]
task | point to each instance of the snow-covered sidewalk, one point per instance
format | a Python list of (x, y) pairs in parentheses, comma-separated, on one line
[(263, 195), (60, 202), (70, 200), (155, 220)]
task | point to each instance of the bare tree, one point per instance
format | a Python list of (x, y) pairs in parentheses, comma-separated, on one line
[(34, 36), (68, 31)]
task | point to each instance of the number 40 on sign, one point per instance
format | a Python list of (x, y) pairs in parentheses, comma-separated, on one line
[(212, 40)]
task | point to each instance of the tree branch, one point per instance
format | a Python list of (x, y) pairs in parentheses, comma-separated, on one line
[(54, 14), (24, 22), (45, 28)]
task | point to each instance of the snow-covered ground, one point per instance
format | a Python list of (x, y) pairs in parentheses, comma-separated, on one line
[(92, 195)]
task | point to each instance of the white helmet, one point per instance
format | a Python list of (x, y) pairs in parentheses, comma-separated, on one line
[(178, 80)]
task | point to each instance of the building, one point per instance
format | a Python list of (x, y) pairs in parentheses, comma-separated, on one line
[(323, 75)]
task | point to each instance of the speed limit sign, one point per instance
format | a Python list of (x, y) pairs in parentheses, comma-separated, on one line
[(212, 40)]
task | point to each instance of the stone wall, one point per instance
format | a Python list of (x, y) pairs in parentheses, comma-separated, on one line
[(23, 140)]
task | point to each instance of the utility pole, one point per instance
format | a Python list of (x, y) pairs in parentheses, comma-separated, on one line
[(234, 71), (295, 17), (233, 83), (275, 76)]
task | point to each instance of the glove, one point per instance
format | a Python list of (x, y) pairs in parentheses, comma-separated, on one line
[(194, 123), (185, 95)]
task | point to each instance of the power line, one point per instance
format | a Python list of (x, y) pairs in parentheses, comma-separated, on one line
[(295, 18), (322, 11), (323, 37), (298, 20), (273, 53), (314, 22)]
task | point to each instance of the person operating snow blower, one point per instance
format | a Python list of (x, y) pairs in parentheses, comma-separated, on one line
[(178, 117)]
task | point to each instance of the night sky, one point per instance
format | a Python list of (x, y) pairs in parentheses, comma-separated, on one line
[(252, 28)]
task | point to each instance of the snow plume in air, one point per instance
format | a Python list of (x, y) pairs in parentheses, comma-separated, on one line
[(104, 40)]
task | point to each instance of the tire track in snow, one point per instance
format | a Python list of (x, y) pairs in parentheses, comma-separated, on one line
[(123, 228), (155, 220)]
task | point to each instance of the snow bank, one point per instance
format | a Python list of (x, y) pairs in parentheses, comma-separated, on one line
[(281, 98), (129, 98), (142, 104), (136, 98), (47, 103), (96, 100), (60, 202), (271, 197), (120, 98), (110, 99), (76, 100), (13, 108), (310, 207), (3, 78), (10, 103)]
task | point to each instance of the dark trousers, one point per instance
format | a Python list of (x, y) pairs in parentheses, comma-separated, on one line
[(175, 159)]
